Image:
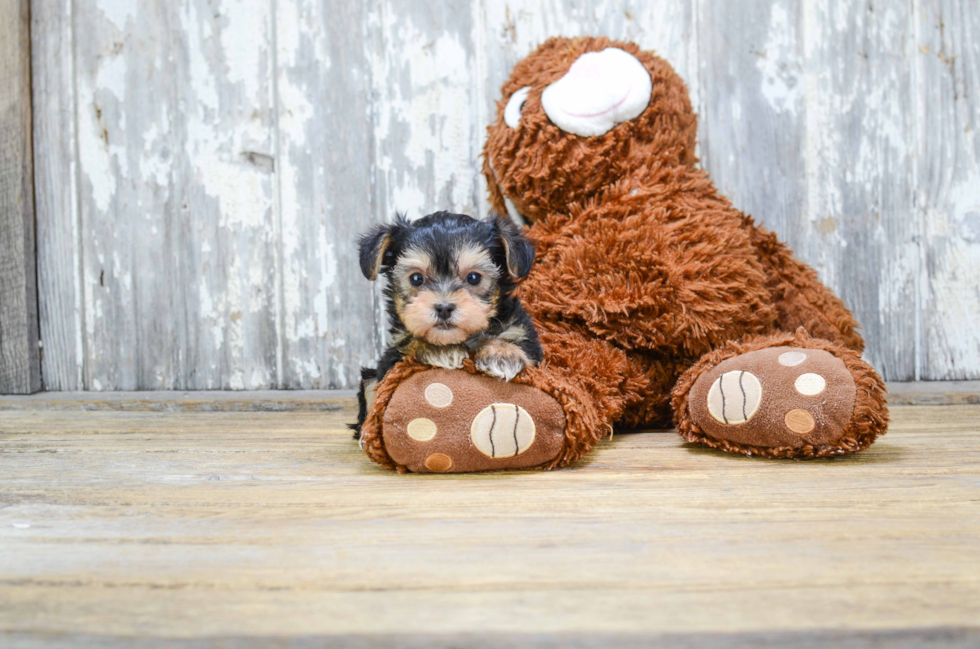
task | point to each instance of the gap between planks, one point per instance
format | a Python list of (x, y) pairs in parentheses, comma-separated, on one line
[(917, 393)]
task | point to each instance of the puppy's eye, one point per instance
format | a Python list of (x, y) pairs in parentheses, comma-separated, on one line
[(512, 112), (416, 279), (473, 279)]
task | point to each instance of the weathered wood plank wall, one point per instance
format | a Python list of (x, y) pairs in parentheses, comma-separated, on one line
[(20, 358), (203, 166)]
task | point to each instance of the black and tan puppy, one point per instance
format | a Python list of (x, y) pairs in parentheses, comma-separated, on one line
[(449, 289)]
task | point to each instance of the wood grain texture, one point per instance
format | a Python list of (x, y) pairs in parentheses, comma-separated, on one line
[(934, 638), (859, 171), (752, 125), (934, 393), (326, 160), (220, 526), (947, 67), (56, 195), (20, 361), (264, 400), (226, 231), (176, 195), (423, 58), (197, 230)]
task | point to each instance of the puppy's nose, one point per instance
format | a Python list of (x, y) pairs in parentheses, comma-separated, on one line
[(445, 310)]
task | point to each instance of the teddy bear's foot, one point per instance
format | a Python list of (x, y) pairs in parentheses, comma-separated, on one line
[(451, 421), (783, 401)]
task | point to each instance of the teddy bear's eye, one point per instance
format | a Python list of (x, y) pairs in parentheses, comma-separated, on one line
[(512, 112), (416, 279)]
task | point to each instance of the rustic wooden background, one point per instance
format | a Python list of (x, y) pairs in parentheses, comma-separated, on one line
[(202, 166)]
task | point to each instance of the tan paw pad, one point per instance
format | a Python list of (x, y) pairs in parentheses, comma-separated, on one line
[(734, 397), (799, 421), (421, 429), (438, 395), (810, 384), (791, 359), (438, 462), (502, 430)]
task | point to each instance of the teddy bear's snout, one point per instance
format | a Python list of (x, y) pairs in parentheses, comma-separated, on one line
[(600, 90)]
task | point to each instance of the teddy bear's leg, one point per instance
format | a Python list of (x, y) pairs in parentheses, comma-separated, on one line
[(436, 420), (653, 409), (784, 395), (800, 298)]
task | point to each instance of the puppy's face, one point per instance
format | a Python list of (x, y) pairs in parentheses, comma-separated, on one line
[(447, 292), (446, 272)]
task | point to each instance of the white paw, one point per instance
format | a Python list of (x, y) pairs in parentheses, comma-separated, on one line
[(502, 366)]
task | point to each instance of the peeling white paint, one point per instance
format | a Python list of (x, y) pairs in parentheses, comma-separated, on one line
[(101, 114), (95, 157), (199, 168), (821, 146), (155, 165), (777, 63), (245, 41), (118, 12), (210, 315), (111, 78), (964, 198), (295, 112), (425, 151), (328, 284), (202, 79)]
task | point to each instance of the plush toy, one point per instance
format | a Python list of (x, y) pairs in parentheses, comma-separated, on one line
[(655, 299)]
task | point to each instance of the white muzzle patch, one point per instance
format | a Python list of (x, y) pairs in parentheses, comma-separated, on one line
[(600, 90)]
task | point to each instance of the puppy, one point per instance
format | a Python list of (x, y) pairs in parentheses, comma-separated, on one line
[(449, 289)]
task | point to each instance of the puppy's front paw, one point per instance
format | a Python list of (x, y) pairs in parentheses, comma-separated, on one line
[(501, 359)]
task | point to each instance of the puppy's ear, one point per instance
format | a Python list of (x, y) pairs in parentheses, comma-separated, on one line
[(375, 246), (518, 250)]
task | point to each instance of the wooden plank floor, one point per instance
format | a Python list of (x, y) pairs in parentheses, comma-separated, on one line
[(228, 528)]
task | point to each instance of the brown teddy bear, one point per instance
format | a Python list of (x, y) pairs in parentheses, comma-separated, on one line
[(653, 296)]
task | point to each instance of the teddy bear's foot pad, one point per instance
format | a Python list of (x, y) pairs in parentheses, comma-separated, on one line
[(779, 397), (450, 421)]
